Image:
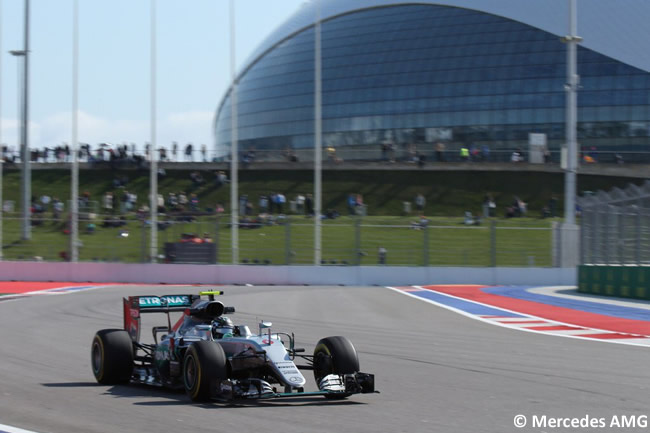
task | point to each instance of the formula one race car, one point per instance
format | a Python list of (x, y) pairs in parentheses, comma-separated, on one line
[(211, 358)]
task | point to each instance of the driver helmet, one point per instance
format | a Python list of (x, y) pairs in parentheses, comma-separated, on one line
[(222, 327)]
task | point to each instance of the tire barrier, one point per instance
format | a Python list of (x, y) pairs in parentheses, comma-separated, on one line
[(624, 281)]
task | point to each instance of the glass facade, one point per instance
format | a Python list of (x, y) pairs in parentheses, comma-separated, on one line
[(419, 74)]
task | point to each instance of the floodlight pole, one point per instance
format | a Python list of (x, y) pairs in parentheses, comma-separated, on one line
[(74, 187), (153, 162), (570, 240), (234, 157), (26, 175), (318, 138), (572, 40)]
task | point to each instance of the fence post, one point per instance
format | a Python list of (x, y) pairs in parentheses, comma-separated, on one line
[(287, 241), (637, 247), (425, 245), (216, 239), (585, 243), (357, 241), (493, 243), (620, 238), (143, 244), (556, 245), (595, 240), (605, 243)]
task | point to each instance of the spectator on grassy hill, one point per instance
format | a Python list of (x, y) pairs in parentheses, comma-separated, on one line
[(174, 150), (516, 156), (352, 204), (300, 203), (57, 209), (474, 152), (309, 205), (188, 152), (290, 154), (359, 204), (220, 179), (552, 206), (412, 153), (619, 158), (489, 207), (420, 202), (280, 201), (519, 207), (107, 203), (331, 155), (263, 204), (471, 220), (384, 152), (124, 202), (45, 201), (331, 214), (485, 152), (161, 203), (440, 151), (464, 153), (182, 200), (420, 224), (172, 201), (243, 200), (204, 153), (421, 158), (248, 158), (197, 179), (194, 203)]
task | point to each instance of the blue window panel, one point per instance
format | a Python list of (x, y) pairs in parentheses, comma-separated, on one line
[(430, 59)]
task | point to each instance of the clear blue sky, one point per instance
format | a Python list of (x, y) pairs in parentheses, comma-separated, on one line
[(193, 56)]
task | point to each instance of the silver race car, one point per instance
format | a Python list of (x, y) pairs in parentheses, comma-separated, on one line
[(211, 358)]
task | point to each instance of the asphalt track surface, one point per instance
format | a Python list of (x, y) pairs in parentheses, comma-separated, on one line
[(437, 371)]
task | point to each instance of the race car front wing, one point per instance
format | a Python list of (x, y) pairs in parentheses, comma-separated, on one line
[(343, 385)]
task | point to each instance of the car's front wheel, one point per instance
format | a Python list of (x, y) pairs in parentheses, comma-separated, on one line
[(335, 355), (204, 364), (111, 356)]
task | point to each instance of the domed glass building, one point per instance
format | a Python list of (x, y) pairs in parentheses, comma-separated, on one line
[(457, 72)]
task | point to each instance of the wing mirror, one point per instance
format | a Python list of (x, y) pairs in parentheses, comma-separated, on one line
[(265, 325)]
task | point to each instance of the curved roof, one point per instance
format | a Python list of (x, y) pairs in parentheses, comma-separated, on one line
[(618, 29)]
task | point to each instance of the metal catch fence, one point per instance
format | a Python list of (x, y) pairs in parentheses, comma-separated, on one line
[(289, 240), (615, 226)]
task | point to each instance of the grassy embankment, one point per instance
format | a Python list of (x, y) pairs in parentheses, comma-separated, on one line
[(448, 195)]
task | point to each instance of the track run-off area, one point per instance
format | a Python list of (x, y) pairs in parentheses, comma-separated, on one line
[(436, 368)]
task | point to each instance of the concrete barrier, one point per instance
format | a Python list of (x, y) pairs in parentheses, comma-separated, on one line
[(283, 275)]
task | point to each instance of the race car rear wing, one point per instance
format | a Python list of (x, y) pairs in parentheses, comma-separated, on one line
[(135, 305)]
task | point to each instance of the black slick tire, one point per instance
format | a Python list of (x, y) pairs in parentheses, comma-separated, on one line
[(204, 364), (335, 355), (111, 356)]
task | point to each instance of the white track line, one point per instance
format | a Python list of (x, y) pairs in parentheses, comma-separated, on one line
[(493, 321), (10, 429)]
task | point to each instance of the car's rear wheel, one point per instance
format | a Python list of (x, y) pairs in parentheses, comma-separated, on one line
[(204, 364), (335, 355), (111, 356)]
